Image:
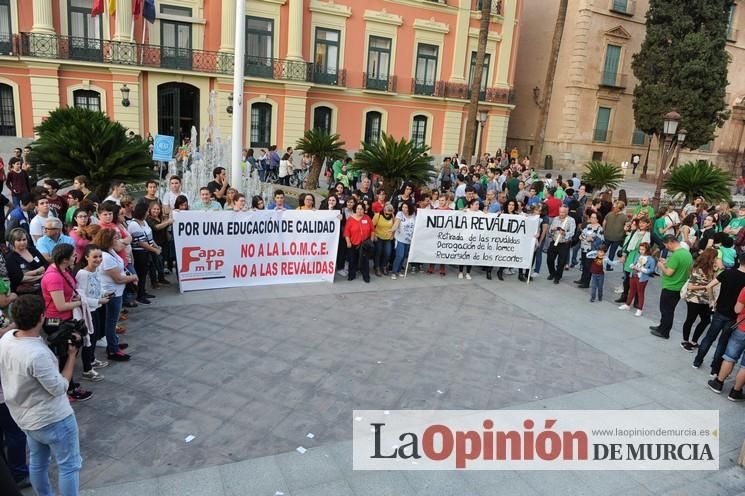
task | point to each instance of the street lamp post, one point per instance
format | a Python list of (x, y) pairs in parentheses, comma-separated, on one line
[(669, 143), (482, 117)]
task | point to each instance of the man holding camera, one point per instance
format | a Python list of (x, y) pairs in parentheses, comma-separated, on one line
[(36, 395)]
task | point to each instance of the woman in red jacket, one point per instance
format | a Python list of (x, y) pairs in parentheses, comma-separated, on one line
[(357, 230)]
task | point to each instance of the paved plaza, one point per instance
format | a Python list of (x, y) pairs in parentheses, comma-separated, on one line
[(250, 372)]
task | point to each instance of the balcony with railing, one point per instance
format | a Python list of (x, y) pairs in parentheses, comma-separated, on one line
[(6, 44), (326, 75), (615, 80), (496, 6), (601, 135), (623, 7), (279, 69), (379, 83)]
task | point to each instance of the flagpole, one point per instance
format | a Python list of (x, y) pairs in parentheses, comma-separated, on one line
[(142, 45), (238, 77)]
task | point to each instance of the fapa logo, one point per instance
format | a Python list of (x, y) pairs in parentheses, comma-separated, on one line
[(197, 259)]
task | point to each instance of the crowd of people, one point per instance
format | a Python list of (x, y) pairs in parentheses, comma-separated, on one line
[(75, 257)]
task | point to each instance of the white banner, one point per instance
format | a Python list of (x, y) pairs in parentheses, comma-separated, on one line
[(473, 238), (535, 440), (229, 249)]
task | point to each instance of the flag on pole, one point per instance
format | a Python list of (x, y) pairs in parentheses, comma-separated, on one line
[(148, 11), (136, 8), (97, 8), (112, 7)]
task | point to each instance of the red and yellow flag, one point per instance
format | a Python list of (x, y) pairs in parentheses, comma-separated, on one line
[(112, 7)]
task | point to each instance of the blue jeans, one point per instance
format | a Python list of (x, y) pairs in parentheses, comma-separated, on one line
[(402, 251), (538, 259), (61, 440), (735, 346), (575, 251), (129, 290), (383, 248), (719, 323), (596, 286), (112, 309), (15, 443)]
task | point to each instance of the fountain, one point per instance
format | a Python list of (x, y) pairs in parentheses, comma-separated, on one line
[(195, 167)]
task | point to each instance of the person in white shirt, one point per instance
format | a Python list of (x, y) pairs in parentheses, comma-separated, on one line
[(118, 189), (36, 395), (43, 212), (169, 198)]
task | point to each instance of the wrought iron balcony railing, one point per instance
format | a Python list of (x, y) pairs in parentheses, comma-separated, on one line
[(6, 44), (601, 135), (379, 83), (612, 79), (326, 75)]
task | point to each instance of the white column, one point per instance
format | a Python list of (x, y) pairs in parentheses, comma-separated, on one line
[(227, 27), (460, 58), (123, 21), (295, 28), (43, 21)]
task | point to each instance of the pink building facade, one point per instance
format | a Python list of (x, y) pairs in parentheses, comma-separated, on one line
[(353, 68)]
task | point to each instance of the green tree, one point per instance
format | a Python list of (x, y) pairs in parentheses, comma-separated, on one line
[(321, 145), (601, 175), (682, 66), (77, 141), (395, 161), (699, 178)]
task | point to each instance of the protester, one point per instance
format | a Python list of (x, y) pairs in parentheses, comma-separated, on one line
[(21, 215), (143, 248), (383, 227), (27, 258), (638, 233), (733, 352), (52, 237), (93, 297), (359, 235), (675, 271), (403, 230), (80, 183), (218, 187), (206, 203), (43, 212), (560, 238), (35, 394), (597, 278), (116, 192), (697, 298), (114, 276), (590, 239)]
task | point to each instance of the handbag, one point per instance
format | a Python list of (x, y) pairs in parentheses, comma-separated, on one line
[(684, 290)]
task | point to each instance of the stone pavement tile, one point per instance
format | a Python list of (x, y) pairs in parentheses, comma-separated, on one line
[(333, 488), (607, 482), (112, 436), (698, 488), (223, 404), (438, 483), (93, 464), (497, 482), (296, 426), (365, 483), (204, 482), (260, 476), (626, 395), (588, 399), (147, 487), (309, 469), (556, 482), (731, 479), (216, 373), (659, 481)]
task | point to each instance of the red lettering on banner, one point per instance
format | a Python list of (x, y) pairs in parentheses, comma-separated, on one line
[(428, 443)]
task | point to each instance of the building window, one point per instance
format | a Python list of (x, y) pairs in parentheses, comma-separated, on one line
[(731, 31), (602, 122), (6, 31), (7, 111), (86, 32), (378, 63), (426, 69), (322, 119), (639, 138), (419, 130), (261, 125), (373, 123), (610, 68), (484, 76), (326, 67), (88, 99), (175, 39), (259, 47), (620, 6)]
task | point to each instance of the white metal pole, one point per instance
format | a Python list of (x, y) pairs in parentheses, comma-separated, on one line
[(238, 75)]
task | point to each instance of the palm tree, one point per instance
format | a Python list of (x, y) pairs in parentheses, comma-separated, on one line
[(548, 86), (77, 141), (601, 175), (321, 145), (395, 161), (699, 178), (469, 140)]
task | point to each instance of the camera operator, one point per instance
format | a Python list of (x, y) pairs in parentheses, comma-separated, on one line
[(35, 393), (60, 298)]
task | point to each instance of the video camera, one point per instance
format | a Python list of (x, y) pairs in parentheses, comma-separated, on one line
[(64, 335)]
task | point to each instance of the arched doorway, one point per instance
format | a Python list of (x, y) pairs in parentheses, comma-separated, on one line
[(178, 110)]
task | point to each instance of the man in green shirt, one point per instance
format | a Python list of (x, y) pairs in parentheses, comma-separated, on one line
[(736, 223), (644, 209), (675, 271), (513, 186)]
